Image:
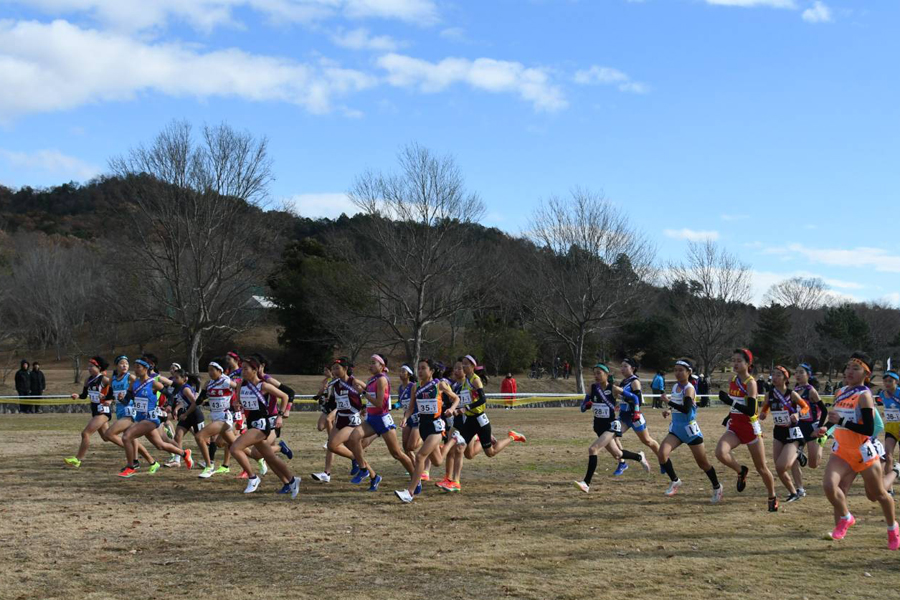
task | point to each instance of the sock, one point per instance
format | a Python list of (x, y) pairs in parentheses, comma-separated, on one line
[(212, 451), (670, 470), (894, 526), (630, 456), (592, 466), (847, 517), (713, 478)]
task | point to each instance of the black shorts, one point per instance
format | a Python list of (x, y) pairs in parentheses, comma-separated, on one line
[(431, 426), (263, 423), (342, 421), (602, 426), (477, 425), (783, 435), (810, 430), (194, 422), (97, 409)]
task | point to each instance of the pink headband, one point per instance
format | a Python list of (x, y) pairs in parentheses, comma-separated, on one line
[(471, 360), (377, 358)]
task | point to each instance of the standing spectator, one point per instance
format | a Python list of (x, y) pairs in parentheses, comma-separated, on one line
[(23, 385), (38, 383), (703, 390), (657, 387), (567, 368), (508, 386)]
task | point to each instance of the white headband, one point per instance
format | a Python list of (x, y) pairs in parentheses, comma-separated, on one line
[(216, 365), (469, 358), (684, 364), (407, 369), (175, 366)]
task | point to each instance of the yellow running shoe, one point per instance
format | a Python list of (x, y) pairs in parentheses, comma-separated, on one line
[(73, 461)]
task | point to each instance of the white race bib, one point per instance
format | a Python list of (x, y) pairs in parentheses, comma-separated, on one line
[(692, 429), (427, 406), (387, 420), (439, 425), (483, 420), (465, 398), (342, 401), (794, 433), (868, 451), (781, 418), (892, 415), (601, 410)]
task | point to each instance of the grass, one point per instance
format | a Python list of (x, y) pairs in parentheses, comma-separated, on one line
[(519, 529)]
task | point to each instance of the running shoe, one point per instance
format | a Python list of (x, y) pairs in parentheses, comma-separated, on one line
[(443, 484), (623, 466), (840, 530), (188, 461), (894, 537), (822, 440), (354, 467), (202, 463), (773, 504), (73, 461), (127, 472), (285, 449), (206, 473), (426, 476), (742, 479), (801, 458), (404, 495), (373, 483), (244, 475), (360, 477), (454, 486), (418, 489), (321, 477), (295, 487), (169, 431), (583, 486), (717, 495), (263, 467), (286, 488), (516, 437), (801, 492), (252, 484), (792, 498), (174, 461), (673, 488), (153, 468), (136, 465), (644, 462), (223, 469)]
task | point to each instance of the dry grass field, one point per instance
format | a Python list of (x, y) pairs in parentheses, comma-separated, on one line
[(519, 528)]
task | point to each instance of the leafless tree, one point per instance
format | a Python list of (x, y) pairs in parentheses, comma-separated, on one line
[(804, 293), (711, 289), (417, 251), (588, 269), (197, 230)]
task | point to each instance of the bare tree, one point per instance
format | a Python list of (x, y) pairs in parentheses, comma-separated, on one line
[(711, 289), (197, 229), (417, 251), (804, 293), (588, 269)]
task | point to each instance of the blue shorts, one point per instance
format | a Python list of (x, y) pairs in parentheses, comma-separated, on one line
[(146, 417), (686, 436), (124, 411), (381, 424), (629, 423)]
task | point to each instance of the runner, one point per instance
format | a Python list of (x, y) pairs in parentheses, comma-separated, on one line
[(119, 383), (145, 393), (853, 452), (405, 396), (810, 423), (347, 407), (685, 430), (276, 442), (890, 398), (327, 411), (743, 426), (377, 392), (188, 414), (787, 408), (607, 427), (630, 398), (430, 406), (96, 388), (233, 370), (220, 428), (454, 445)]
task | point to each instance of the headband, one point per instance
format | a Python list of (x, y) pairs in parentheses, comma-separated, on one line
[(865, 367), (121, 358), (142, 362), (471, 359), (407, 369), (235, 356), (784, 371), (175, 366), (216, 365), (747, 355), (602, 367), (630, 361), (807, 367), (685, 364), (95, 363), (377, 358), (892, 375)]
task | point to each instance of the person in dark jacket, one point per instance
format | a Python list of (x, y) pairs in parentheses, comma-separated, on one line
[(23, 385), (38, 383)]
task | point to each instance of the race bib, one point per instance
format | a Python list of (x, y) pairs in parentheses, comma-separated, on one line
[(781, 418), (640, 420), (342, 401), (483, 420), (120, 396), (261, 424), (355, 420), (692, 429), (103, 408), (465, 398), (794, 433), (439, 425), (427, 406), (601, 410), (868, 451), (94, 395), (879, 448), (387, 420), (616, 426), (892, 415), (141, 404), (129, 412)]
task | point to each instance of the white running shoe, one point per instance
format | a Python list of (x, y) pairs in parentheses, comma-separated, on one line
[(717, 495), (404, 496), (460, 440), (321, 477), (583, 486), (206, 473), (263, 467), (673, 488), (644, 462), (202, 464), (325, 446), (252, 485), (174, 461), (801, 492), (295, 487)]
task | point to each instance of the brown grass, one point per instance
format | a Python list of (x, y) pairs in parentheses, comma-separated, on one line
[(519, 529)]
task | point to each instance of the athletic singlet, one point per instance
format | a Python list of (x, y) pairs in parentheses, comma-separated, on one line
[(95, 390), (219, 393), (846, 403), (468, 387), (404, 395), (182, 403), (891, 406), (382, 407), (738, 393), (119, 388), (145, 397), (429, 401), (680, 419), (624, 406), (782, 407), (346, 398), (812, 413), (603, 402), (255, 404)]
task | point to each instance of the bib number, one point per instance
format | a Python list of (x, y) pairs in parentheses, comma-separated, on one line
[(465, 398), (263, 424), (794, 433), (387, 420), (780, 417), (640, 421), (879, 448), (483, 420), (616, 426), (892, 415), (601, 411), (130, 413), (439, 425), (342, 401), (103, 408), (692, 429), (868, 451)]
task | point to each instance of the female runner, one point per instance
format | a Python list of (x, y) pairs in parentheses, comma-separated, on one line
[(347, 407), (853, 452), (684, 429), (890, 399), (810, 423), (220, 428), (119, 383), (607, 427), (630, 406), (188, 414), (405, 396), (743, 426), (96, 388), (787, 407), (327, 412)]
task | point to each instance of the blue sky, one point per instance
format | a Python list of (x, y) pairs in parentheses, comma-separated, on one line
[(771, 125)]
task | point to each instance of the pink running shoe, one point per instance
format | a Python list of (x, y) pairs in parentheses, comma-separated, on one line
[(840, 530), (894, 537)]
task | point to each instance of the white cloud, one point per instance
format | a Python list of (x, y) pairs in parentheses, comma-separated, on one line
[(206, 15), (597, 75), (818, 13), (496, 76), (58, 66), (50, 162), (860, 257), (755, 3), (360, 39), (763, 280), (328, 205), (691, 235)]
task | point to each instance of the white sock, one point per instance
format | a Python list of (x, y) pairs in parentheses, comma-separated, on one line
[(847, 517), (896, 525)]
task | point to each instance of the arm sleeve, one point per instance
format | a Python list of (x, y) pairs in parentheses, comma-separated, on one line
[(482, 399), (202, 397), (804, 407), (83, 393), (289, 391), (686, 406), (823, 412), (765, 408), (633, 399), (867, 427), (725, 398)]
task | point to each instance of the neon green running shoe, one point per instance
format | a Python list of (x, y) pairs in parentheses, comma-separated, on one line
[(263, 467), (154, 467), (222, 469), (73, 461)]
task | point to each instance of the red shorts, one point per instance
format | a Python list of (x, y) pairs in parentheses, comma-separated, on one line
[(747, 431)]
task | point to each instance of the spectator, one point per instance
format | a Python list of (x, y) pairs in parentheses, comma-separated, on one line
[(38, 383), (703, 390), (657, 387), (508, 386), (23, 385), (567, 368)]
